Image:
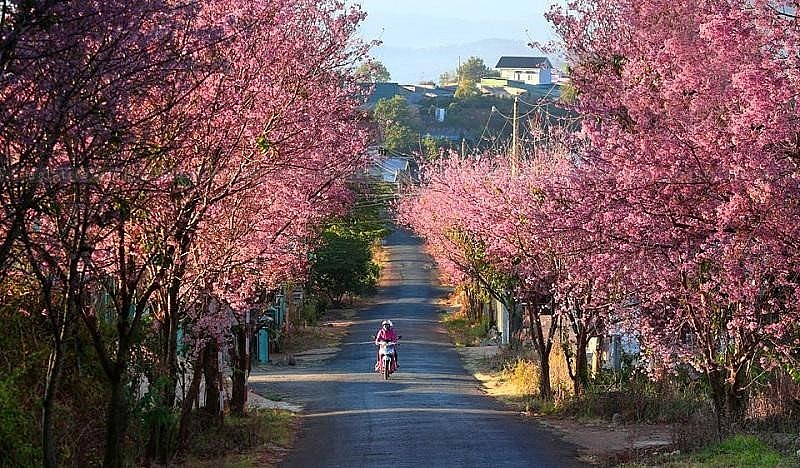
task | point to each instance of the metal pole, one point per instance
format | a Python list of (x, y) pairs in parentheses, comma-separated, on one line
[(514, 139)]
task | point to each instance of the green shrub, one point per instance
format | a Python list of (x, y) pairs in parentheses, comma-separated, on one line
[(18, 429), (640, 399), (739, 450), (158, 423), (313, 310)]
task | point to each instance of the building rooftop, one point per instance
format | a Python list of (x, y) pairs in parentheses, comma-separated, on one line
[(523, 62), (374, 92)]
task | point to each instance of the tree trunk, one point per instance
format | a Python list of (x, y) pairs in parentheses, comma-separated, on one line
[(170, 340), (60, 320), (188, 402), (473, 303), (730, 400), (116, 423), (581, 377), (545, 387), (50, 454), (211, 375), (542, 349), (239, 377)]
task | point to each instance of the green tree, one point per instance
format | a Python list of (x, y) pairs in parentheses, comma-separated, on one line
[(399, 126), (467, 89), (473, 70), (430, 147), (373, 71), (343, 264), (400, 139)]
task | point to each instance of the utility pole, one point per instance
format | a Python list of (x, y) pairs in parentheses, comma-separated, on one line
[(463, 148), (514, 139)]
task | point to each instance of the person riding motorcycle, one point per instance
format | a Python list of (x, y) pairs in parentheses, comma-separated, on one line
[(386, 333)]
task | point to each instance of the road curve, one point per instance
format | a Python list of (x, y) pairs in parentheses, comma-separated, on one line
[(431, 413)]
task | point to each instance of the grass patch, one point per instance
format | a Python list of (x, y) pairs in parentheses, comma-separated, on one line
[(462, 331), (250, 441), (739, 450)]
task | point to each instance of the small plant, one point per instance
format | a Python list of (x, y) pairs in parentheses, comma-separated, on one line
[(17, 428), (222, 445), (523, 374), (739, 450)]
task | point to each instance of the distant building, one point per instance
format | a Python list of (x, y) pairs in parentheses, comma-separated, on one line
[(384, 167), (505, 88), (374, 92), (416, 94), (529, 70)]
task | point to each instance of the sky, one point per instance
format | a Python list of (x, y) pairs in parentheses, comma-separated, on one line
[(425, 23)]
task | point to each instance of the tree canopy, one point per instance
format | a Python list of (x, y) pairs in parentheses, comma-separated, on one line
[(400, 127), (473, 70), (373, 71)]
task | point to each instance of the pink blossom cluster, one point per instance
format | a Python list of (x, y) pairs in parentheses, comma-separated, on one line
[(175, 154), (678, 207)]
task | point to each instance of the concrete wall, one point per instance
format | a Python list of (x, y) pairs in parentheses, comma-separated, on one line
[(532, 76)]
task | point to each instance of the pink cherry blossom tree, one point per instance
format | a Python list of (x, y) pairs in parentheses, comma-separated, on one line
[(689, 114), (72, 150), (281, 122), (143, 126), (511, 232)]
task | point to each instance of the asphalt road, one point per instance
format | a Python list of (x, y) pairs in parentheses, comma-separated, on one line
[(431, 413)]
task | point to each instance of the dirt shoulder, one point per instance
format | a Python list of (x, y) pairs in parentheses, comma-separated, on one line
[(600, 442), (314, 344)]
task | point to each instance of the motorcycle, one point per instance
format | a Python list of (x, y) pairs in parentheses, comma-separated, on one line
[(387, 363)]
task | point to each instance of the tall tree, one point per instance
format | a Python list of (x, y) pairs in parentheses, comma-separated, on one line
[(373, 71), (399, 126), (473, 70), (75, 151), (691, 177)]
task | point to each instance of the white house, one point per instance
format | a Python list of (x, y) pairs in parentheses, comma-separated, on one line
[(529, 70)]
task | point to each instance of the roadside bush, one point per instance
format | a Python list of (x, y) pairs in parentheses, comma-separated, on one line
[(523, 374), (18, 428), (238, 434), (314, 309), (157, 424), (640, 399)]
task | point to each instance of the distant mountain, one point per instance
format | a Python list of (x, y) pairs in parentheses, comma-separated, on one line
[(411, 65)]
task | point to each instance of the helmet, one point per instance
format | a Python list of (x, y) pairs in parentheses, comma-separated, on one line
[(387, 322)]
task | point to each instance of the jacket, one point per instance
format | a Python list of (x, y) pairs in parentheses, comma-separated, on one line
[(386, 335)]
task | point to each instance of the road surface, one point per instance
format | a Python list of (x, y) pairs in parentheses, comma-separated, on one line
[(431, 413)]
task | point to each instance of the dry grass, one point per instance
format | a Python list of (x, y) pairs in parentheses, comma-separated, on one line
[(259, 439), (327, 334), (379, 254)]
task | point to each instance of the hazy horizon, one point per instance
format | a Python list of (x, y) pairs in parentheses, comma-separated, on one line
[(447, 25)]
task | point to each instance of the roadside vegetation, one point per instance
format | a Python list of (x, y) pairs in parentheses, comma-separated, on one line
[(640, 275), (679, 406), (259, 439), (739, 450)]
